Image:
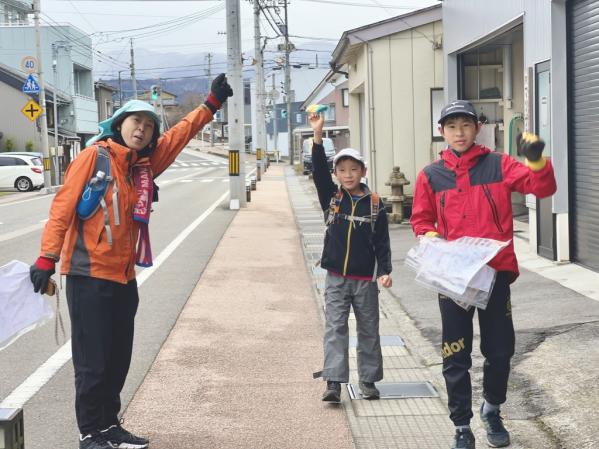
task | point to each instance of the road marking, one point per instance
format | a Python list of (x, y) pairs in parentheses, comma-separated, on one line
[(203, 180), (182, 164), (44, 220), (24, 392), (20, 232), (186, 180), (39, 197)]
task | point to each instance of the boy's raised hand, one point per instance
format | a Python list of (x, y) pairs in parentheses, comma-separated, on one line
[(316, 122), (385, 280)]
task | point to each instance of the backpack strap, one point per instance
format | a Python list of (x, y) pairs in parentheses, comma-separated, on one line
[(334, 205), (375, 200)]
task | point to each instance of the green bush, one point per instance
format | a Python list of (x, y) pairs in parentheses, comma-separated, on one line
[(9, 144), (29, 145)]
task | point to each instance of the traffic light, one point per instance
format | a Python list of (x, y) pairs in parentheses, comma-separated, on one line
[(283, 113), (155, 92)]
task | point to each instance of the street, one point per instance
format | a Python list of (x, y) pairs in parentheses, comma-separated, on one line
[(188, 189)]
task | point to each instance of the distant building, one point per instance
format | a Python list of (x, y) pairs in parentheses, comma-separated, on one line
[(104, 93), (169, 100), (71, 76)]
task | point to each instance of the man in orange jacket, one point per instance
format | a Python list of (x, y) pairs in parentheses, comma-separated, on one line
[(98, 254)]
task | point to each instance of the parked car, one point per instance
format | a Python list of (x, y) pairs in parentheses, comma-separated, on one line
[(329, 151), (21, 172)]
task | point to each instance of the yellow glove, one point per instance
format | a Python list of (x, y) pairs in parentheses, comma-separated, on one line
[(432, 234)]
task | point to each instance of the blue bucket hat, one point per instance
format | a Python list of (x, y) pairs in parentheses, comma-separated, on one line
[(105, 127)]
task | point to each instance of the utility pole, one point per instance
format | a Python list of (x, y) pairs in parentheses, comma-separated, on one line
[(260, 138), (235, 106), (209, 73), (55, 72), (288, 88), (42, 95), (133, 80), (275, 123), (120, 90)]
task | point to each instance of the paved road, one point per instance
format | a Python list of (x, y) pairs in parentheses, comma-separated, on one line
[(187, 190)]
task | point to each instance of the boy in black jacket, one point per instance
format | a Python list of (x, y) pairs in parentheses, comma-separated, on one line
[(356, 253)]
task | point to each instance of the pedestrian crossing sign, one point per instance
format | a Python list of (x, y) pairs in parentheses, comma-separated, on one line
[(31, 86), (31, 110)]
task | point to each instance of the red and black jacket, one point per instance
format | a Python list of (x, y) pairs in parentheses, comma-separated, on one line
[(470, 195)]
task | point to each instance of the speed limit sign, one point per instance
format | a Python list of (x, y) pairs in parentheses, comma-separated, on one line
[(29, 64)]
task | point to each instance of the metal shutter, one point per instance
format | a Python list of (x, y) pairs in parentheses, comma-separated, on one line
[(583, 22)]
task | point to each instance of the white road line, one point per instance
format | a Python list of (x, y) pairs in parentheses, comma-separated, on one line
[(20, 232), (20, 395), (39, 197), (186, 180), (203, 180), (44, 220), (182, 164)]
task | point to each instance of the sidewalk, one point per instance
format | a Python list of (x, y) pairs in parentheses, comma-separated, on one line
[(235, 372)]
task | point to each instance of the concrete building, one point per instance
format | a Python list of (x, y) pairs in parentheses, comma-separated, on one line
[(14, 12), (67, 66), (331, 91), (533, 65), (395, 82), (104, 97)]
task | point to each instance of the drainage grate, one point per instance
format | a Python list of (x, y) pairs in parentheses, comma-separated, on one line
[(386, 340), (399, 390)]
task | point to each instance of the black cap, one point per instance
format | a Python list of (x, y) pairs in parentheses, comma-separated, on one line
[(458, 107)]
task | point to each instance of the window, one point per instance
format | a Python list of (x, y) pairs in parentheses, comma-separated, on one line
[(437, 102), (11, 161), (345, 98), (329, 114)]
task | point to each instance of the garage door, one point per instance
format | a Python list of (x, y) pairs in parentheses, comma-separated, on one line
[(583, 21)]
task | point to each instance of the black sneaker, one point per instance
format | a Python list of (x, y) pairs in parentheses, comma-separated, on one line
[(94, 441), (497, 436), (369, 390), (333, 392), (123, 439), (463, 439)]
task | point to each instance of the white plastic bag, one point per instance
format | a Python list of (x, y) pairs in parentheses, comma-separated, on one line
[(457, 268), (21, 310)]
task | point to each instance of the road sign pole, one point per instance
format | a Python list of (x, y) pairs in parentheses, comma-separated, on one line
[(44, 116)]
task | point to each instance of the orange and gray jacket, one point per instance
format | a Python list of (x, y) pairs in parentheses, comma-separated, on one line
[(82, 246), (471, 195), (351, 247)]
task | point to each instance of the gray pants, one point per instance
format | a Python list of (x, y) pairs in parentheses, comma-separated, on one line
[(340, 294)]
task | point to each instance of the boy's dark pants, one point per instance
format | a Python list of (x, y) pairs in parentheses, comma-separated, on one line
[(497, 346), (102, 316)]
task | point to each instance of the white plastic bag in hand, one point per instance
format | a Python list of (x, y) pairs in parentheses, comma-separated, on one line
[(21, 310)]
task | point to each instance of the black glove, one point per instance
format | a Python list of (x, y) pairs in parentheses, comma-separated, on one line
[(219, 92), (530, 146), (40, 273)]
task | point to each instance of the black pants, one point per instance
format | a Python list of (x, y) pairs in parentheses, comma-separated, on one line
[(102, 317), (497, 346)]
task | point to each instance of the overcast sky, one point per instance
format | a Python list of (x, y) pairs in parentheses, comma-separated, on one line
[(199, 25)]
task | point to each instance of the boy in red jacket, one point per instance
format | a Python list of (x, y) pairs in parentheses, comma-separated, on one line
[(467, 192)]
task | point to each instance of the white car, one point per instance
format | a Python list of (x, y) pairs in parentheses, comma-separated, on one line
[(21, 172)]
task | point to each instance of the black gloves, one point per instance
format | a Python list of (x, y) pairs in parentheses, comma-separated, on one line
[(530, 146), (219, 92), (40, 273)]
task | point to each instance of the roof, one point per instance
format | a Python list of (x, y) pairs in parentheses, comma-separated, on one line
[(357, 36), (103, 85), (16, 79), (331, 77)]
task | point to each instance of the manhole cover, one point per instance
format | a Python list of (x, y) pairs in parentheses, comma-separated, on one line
[(386, 340), (400, 390)]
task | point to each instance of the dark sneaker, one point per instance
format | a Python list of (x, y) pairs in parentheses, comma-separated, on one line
[(333, 392), (463, 439), (369, 390), (94, 441), (123, 439), (497, 436)]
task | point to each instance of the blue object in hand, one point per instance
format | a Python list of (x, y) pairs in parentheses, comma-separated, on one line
[(317, 108)]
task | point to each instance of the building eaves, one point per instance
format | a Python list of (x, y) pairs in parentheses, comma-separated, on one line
[(357, 36), (16, 79)]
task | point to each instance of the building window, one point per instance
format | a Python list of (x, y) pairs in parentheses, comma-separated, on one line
[(329, 114), (437, 102), (108, 111), (345, 98)]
